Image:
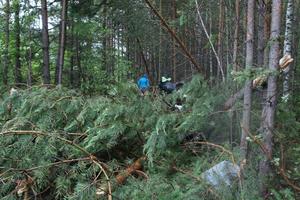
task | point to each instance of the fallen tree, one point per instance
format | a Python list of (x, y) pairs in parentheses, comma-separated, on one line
[(259, 81)]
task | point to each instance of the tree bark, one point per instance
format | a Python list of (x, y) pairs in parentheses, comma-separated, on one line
[(288, 45), (29, 73), (267, 19), (267, 26), (159, 70), (270, 105), (260, 33), (18, 76), (220, 38), (62, 40), (174, 43), (248, 84), (78, 57), (6, 50), (72, 57), (45, 44)]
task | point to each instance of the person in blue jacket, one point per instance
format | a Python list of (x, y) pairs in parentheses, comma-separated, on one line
[(143, 84)]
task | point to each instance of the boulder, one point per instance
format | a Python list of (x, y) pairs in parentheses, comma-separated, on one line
[(223, 173)]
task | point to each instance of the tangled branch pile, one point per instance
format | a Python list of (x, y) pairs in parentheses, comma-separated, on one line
[(58, 144)]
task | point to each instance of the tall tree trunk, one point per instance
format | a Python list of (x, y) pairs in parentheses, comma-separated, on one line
[(18, 76), (211, 75), (288, 45), (29, 52), (260, 33), (248, 84), (29, 70), (6, 50), (159, 70), (270, 105), (62, 40), (72, 57), (45, 45), (220, 37), (78, 57), (267, 26), (174, 43)]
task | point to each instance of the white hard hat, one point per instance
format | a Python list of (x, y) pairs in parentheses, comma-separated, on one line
[(164, 79)]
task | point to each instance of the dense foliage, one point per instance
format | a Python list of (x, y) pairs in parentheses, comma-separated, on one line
[(117, 127), (77, 128)]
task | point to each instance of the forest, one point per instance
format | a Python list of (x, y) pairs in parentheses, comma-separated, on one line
[(150, 99)]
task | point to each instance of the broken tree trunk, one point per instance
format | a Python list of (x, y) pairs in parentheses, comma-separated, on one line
[(232, 99), (123, 175), (210, 42), (145, 61), (173, 35), (284, 62), (137, 165)]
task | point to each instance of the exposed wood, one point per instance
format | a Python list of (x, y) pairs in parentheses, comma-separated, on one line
[(137, 165)]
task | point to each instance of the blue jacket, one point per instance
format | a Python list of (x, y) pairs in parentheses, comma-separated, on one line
[(143, 82)]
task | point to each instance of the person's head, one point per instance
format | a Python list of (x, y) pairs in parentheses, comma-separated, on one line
[(145, 75)]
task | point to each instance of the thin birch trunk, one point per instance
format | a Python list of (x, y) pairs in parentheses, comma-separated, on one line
[(288, 45)]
